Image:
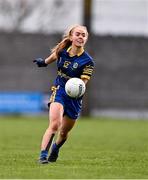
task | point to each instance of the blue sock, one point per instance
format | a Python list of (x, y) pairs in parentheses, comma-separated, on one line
[(44, 154), (61, 143), (56, 147)]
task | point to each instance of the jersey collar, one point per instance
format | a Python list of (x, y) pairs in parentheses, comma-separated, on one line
[(79, 54)]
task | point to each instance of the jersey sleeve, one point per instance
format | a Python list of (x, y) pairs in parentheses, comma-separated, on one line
[(87, 70), (60, 54)]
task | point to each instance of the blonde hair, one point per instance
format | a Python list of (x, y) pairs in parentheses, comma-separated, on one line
[(66, 42)]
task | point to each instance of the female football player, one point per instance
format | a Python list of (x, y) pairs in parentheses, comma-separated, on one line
[(72, 61)]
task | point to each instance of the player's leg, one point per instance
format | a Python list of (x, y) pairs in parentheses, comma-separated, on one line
[(66, 125), (55, 118)]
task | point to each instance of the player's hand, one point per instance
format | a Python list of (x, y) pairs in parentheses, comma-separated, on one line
[(40, 62)]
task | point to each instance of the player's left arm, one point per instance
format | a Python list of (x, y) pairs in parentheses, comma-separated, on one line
[(85, 80), (87, 72)]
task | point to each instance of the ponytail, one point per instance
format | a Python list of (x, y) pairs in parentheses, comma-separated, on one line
[(65, 43)]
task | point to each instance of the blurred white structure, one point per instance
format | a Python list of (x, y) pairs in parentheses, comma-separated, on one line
[(45, 16), (117, 17), (120, 17)]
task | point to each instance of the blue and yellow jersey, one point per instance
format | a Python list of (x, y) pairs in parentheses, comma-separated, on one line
[(80, 66)]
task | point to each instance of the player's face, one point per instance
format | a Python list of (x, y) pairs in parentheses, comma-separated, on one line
[(79, 37)]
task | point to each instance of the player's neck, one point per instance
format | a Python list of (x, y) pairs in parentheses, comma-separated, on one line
[(75, 50)]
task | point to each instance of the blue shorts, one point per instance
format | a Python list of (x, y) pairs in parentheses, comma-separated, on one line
[(72, 106)]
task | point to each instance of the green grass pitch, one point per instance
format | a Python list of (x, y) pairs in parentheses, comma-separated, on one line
[(97, 148)]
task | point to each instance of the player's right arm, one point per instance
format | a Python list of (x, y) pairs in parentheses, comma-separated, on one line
[(44, 62), (51, 58)]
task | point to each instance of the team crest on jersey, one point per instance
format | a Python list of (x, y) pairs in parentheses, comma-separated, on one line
[(75, 65)]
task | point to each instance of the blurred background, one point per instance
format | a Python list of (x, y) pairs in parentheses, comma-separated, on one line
[(118, 42)]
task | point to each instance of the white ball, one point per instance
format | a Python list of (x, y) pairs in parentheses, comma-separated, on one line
[(75, 87)]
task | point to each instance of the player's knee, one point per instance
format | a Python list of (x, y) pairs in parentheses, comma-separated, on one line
[(55, 126), (63, 134)]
